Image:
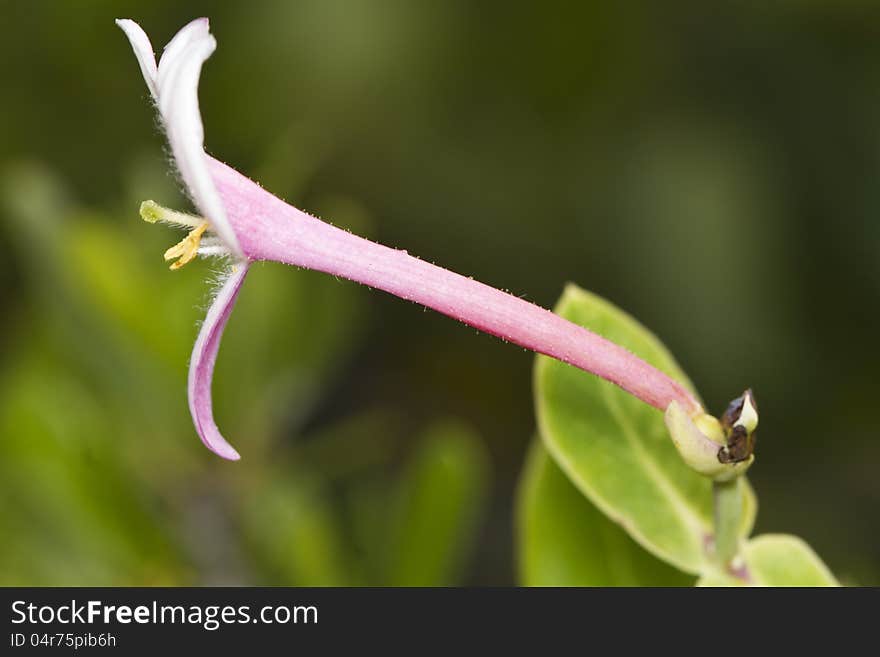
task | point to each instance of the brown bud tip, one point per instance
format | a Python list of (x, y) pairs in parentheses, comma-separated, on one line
[(739, 423)]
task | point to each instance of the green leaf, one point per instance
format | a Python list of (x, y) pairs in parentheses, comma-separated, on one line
[(291, 528), (776, 560), (785, 560), (716, 579), (441, 500), (566, 541), (78, 512), (616, 449)]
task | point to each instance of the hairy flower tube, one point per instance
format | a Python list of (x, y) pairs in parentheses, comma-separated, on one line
[(243, 222)]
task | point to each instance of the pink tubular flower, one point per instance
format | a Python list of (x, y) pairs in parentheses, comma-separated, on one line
[(245, 223)]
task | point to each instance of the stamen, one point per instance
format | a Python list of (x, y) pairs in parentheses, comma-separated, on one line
[(187, 248), (151, 212), (191, 245)]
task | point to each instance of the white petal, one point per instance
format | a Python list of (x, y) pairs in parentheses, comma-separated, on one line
[(194, 30), (178, 83), (143, 50)]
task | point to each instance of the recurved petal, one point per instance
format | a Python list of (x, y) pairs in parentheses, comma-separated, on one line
[(143, 50), (194, 30), (201, 366), (178, 83)]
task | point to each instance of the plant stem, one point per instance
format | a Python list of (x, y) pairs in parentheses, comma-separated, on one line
[(270, 229), (728, 508)]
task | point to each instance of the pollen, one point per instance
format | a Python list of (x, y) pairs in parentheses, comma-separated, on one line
[(187, 248)]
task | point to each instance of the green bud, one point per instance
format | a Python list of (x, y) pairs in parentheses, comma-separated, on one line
[(702, 444)]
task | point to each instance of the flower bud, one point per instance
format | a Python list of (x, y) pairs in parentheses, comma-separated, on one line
[(705, 445), (739, 422)]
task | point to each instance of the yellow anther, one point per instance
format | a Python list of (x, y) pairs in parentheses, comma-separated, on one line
[(187, 248)]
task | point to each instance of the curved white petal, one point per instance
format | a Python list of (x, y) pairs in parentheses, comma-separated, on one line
[(201, 366), (175, 87), (179, 71), (143, 50), (194, 30)]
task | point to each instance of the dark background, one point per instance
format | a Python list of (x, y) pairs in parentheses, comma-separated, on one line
[(712, 168)]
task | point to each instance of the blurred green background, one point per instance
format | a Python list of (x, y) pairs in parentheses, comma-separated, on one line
[(712, 168)]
